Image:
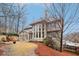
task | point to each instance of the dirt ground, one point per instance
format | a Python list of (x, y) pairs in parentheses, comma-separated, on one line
[(18, 49), (30, 49), (1, 49)]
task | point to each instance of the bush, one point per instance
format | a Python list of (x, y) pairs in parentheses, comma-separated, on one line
[(56, 44), (52, 43), (10, 34), (47, 41)]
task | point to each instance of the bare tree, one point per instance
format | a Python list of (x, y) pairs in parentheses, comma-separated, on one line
[(20, 14), (67, 13), (12, 14)]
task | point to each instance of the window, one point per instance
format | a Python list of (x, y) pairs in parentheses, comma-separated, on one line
[(43, 34), (36, 34), (39, 34)]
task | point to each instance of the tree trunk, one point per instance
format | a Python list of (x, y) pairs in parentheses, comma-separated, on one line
[(61, 41)]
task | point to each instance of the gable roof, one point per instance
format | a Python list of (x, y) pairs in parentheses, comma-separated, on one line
[(48, 20)]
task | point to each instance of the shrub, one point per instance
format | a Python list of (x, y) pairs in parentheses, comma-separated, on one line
[(47, 41), (56, 44), (53, 43), (10, 34)]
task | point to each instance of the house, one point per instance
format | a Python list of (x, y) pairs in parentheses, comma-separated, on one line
[(38, 30)]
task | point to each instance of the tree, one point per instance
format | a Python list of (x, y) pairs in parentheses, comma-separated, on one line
[(67, 13), (11, 16)]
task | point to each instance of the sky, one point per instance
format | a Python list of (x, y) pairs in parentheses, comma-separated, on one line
[(35, 11)]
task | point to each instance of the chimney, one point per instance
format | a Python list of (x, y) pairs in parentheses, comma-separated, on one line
[(46, 14)]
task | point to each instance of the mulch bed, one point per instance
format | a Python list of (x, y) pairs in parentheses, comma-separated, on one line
[(44, 50)]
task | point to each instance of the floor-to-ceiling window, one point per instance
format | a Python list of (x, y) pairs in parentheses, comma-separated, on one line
[(39, 31)]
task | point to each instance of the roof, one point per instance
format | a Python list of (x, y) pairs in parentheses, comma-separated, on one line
[(38, 21), (28, 27), (72, 44), (41, 20), (49, 30)]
